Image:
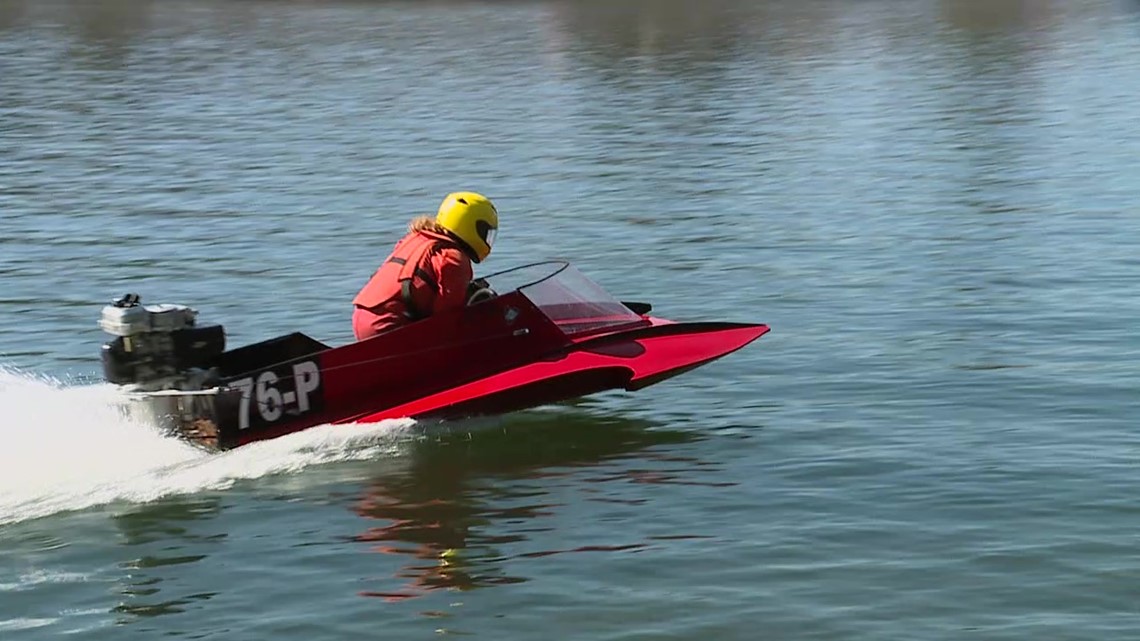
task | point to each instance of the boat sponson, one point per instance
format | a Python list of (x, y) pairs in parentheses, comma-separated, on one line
[(630, 360)]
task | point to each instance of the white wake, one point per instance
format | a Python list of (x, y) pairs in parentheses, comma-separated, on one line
[(65, 448)]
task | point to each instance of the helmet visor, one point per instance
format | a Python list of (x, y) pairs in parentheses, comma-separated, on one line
[(490, 236)]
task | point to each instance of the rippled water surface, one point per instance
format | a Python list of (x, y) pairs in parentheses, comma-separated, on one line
[(933, 204)]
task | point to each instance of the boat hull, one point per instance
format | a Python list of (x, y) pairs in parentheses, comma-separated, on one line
[(629, 361)]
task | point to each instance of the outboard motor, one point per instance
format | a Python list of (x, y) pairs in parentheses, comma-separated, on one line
[(159, 347)]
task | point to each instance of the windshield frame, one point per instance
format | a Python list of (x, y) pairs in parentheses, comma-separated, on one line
[(572, 301)]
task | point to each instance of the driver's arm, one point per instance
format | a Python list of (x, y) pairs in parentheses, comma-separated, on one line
[(454, 271)]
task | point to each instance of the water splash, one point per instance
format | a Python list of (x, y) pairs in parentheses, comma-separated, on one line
[(68, 448)]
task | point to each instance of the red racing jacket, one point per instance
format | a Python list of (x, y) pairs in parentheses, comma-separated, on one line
[(426, 273)]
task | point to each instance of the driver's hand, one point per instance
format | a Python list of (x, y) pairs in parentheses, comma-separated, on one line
[(476, 285)]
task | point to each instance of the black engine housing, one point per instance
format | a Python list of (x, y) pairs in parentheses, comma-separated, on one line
[(152, 356)]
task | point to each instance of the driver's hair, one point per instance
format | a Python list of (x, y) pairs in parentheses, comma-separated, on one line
[(425, 223)]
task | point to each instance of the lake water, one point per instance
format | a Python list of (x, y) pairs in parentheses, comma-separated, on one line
[(934, 204)]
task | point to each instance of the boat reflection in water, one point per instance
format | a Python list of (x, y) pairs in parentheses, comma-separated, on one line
[(459, 532)]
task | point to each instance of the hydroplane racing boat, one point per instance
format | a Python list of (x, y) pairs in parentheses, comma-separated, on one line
[(553, 335)]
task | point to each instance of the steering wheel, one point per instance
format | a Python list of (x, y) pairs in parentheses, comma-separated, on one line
[(481, 294)]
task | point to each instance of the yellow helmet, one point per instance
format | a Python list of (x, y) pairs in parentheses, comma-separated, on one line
[(472, 218)]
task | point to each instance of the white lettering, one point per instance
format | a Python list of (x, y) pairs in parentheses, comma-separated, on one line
[(269, 401), (246, 387), (306, 378)]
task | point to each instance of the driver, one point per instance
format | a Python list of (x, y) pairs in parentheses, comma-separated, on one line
[(429, 271)]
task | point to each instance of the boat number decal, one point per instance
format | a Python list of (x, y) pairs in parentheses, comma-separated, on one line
[(278, 392)]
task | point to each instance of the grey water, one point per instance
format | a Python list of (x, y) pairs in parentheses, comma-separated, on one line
[(934, 204)]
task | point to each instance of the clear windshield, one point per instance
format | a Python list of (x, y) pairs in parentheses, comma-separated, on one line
[(576, 303)]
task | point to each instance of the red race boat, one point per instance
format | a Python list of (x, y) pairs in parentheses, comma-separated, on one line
[(553, 335)]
